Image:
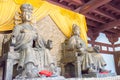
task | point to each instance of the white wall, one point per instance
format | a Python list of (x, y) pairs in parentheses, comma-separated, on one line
[(102, 38), (109, 59)]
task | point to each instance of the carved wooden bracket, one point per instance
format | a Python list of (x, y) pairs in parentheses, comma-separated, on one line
[(92, 35), (112, 37)]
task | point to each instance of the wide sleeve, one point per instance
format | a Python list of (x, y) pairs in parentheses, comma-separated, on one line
[(16, 30)]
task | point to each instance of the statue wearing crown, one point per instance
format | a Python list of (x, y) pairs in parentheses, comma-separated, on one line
[(28, 49)]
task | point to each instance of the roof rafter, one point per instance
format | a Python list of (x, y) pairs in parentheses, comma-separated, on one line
[(91, 23), (105, 14), (56, 3), (93, 4), (107, 26), (94, 18), (112, 8)]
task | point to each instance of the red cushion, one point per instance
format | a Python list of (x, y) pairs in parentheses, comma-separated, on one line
[(104, 72), (46, 73)]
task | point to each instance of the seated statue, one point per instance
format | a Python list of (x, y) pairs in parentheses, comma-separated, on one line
[(91, 60), (33, 51), (99, 62)]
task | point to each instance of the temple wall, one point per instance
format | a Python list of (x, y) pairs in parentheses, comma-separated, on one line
[(49, 30)]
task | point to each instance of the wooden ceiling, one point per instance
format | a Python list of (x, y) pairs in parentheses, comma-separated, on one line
[(102, 15)]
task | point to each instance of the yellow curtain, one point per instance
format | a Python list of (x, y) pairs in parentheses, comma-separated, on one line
[(62, 17)]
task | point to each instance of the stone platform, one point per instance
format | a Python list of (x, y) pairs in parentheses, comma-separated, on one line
[(98, 75), (62, 78), (51, 78), (107, 78)]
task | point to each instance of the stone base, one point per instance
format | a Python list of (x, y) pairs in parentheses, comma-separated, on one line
[(49, 78), (98, 75)]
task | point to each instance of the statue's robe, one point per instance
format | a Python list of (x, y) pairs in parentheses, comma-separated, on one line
[(99, 62), (78, 45), (24, 35), (39, 55), (43, 55), (93, 59), (89, 58)]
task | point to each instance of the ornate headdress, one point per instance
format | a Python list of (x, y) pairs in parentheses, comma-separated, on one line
[(75, 27), (23, 8), (26, 7)]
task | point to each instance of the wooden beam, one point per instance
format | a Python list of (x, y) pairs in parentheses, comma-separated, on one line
[(99, 43), (94, 18), (117, 45), (107, 26), (111, 7), (91, 23), (113, 31), (103, 13), (77, 1), (58, 4), (91, 5)]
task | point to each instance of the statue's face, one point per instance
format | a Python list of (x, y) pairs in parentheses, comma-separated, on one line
[(27, 16)]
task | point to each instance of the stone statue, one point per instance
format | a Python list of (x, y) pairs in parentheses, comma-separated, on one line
[(99, 63), (33, 50), (75, 42), (78, 45), (90, 60)]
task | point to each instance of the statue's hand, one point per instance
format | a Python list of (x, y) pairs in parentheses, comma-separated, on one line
[(22, 31), (49, 44)]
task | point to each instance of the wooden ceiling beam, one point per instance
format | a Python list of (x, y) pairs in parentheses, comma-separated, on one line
[(91, 23), (112, 8), (94, 18), (58, 4), (107, 26), (91, 5), (77, 1), (61, 0), (113, 31), (103, 13)]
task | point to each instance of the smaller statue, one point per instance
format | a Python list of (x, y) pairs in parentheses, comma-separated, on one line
[(75, 42), (77, 45), (90, 59), (98, 61)]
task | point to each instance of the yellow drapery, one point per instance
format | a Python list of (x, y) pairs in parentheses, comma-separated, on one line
[(62, 17)]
